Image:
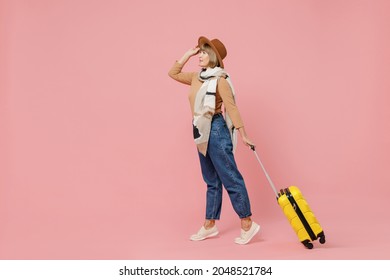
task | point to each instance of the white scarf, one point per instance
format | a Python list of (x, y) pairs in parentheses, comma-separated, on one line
[(204, 108)]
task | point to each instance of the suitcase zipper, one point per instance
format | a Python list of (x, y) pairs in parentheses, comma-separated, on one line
[(300, 214)]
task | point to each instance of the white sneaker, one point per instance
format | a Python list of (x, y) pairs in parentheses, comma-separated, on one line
[(204, 233), (247, 236)]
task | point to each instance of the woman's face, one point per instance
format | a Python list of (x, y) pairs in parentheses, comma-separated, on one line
[(204, 59)]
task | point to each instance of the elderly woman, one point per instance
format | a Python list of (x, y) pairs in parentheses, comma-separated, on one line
[(215, 132)]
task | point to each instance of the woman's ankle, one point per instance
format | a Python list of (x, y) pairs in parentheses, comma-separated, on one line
[(246, 223), (209, 224)]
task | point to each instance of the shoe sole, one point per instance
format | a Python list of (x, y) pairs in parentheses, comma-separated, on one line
[(205, 237), (250, 238)]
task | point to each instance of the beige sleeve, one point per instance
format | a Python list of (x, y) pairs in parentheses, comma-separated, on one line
[(182, 77), (226, 94)]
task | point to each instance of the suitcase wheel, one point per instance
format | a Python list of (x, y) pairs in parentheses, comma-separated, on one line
[(307, 244), (322, 237)]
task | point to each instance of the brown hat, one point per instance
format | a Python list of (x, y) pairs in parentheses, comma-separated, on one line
[(217, 47)]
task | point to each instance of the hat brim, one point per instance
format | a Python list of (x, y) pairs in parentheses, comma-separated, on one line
[(203, 40)]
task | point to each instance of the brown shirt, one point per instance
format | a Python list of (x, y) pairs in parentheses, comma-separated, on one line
[(224, 95)]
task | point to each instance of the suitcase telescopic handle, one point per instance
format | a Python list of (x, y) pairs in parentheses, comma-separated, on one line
[(265, 172)]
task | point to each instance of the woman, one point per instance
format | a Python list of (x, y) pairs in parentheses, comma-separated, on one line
[(215, 136)]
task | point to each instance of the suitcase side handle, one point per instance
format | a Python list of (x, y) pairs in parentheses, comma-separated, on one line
[(265, 172)]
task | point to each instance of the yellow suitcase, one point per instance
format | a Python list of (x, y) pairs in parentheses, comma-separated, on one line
[(297, 211), (300, 216)]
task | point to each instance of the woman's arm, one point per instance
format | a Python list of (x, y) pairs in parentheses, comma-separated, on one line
[(176, 73), (232, 109), (188, 54), (245, 138)]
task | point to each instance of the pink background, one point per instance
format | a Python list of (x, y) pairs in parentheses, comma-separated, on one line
[(96, 154)]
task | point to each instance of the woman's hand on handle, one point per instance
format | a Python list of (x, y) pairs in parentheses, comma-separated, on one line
[(245, 138), (248, 142)]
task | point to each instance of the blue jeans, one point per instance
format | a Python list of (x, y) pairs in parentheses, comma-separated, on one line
[(219, 168)]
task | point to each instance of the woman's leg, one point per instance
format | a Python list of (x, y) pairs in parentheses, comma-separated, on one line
[(213, 199), (220, 151), (214, 189)]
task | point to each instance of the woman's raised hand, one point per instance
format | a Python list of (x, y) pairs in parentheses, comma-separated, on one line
[(191, 52)]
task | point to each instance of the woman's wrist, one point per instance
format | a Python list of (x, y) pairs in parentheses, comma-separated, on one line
[(184, 59), (188, 55), (242, 132), (245, 138)]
